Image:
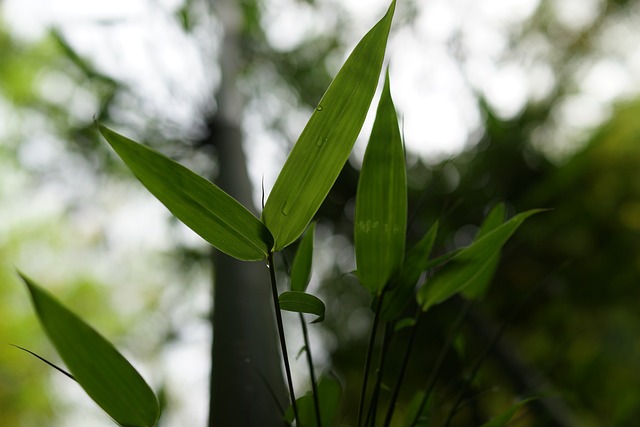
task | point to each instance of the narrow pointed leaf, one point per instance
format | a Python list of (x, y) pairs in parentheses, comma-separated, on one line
[(329, 393), (325, 143), (301, 302), (202, 206), (106, 376), (53, 365), (494, 219), (469, 266), (401, 324), (415, 263), (478, 288), (504, 418), (301, 268), (381, 201), (415, 404), (442, 259)]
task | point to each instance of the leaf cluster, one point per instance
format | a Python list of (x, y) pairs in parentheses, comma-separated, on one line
[(383, 268)]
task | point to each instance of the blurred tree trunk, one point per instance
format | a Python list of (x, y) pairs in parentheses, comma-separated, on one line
[(247, 386)]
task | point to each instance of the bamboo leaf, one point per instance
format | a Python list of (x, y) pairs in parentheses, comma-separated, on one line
[(301, 268), (381, 201), (202, 206), (403, 286), (415, 404), (106, 376), (502, 419), (329, 393), (407, 322), (442, 259), (301, 302), (53, 365), (325, 143), (478, 288), (469, 266), (493, 220)]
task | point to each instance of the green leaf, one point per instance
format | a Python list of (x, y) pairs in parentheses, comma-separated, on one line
[(481, 283), (301, 268), (202, 206), (502, 419), (381, 201), (493, 220), (460, 345), (403, 286), (53, 365), (412, 411), (407, 322), (468, 268), (443, 259), (329, 393), (106, 376), (301, 302), (325, 143)]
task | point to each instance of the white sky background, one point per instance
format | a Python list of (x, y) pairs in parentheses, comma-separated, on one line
[(435, 94)]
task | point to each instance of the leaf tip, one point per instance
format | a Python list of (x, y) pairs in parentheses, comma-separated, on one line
[(31, 286)]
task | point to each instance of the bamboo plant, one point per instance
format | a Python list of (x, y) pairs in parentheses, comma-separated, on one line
[(385, 268)]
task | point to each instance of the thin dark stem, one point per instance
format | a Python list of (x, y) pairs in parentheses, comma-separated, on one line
[(455, 329), (371, 414), (314, 385), (283, 342), (367, 362), (403, 370)]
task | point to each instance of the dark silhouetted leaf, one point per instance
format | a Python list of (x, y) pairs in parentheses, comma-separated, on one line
[(329, 393), (415, 263), (502, 419), (468, 268)]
